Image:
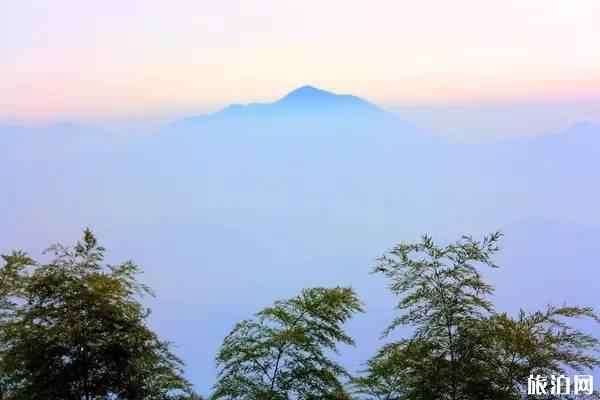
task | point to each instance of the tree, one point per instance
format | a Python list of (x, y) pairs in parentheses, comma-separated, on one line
[(459, 347), (440, 290), (381, 379), (500, 352), (75, 329), (10, 289), (282, 353)]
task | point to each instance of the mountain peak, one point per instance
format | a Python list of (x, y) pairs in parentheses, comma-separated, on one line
[(306, 100), (307, 93), (310, 98)]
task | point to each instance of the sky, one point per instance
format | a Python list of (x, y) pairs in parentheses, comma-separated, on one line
[(460, 68), (140, 63)]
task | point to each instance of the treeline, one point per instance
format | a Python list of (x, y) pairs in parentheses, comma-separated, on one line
[(74, 328)]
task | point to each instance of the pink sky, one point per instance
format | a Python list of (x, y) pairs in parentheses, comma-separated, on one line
[(95, 59)]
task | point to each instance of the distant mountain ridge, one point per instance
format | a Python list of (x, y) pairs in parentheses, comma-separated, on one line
[(305, 191), (306, 101)]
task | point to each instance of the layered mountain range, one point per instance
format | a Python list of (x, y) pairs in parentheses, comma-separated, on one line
[(231, 210)]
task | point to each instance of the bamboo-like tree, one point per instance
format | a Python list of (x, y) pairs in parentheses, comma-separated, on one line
[(284, 351), (459, 347), (74, 329)]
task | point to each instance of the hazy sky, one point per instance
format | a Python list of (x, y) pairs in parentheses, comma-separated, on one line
[(115, 59)]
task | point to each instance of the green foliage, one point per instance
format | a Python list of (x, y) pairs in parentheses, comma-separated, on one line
[(501, 352), (282, 353), (74, 329), (459, 347), (439, 287), (381, 379)]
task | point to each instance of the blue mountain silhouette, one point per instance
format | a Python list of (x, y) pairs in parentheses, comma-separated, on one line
[(306, 102), (309, 97), (304, 191)]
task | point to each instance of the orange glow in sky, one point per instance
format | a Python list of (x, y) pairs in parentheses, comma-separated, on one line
[(63, 59)]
